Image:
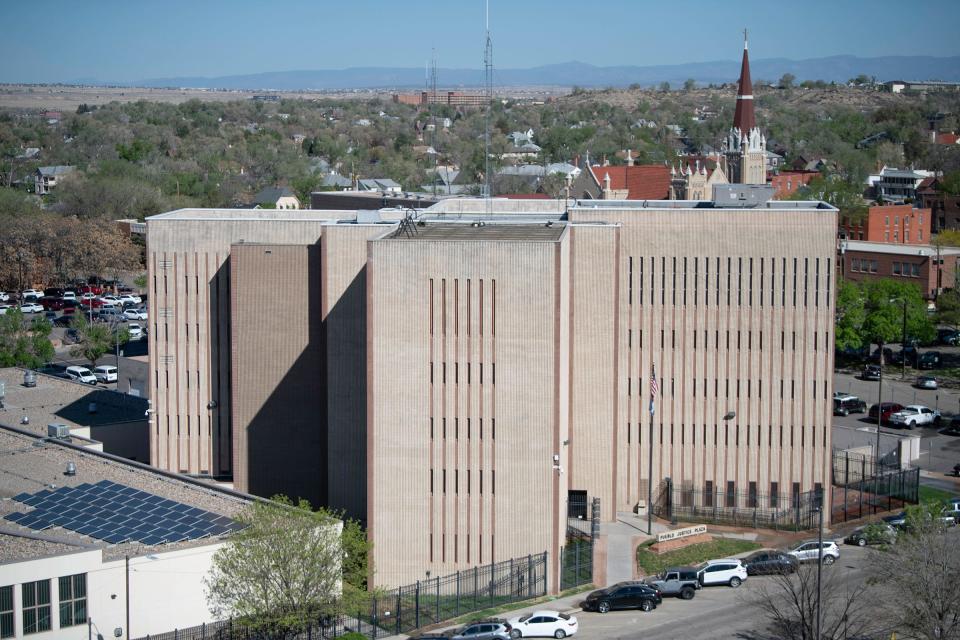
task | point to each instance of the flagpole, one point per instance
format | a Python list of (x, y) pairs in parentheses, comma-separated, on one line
[(653, 378)]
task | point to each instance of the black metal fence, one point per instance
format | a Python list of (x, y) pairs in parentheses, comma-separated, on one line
[(576, 559), (410, 607), (796, 511), (862, 487)]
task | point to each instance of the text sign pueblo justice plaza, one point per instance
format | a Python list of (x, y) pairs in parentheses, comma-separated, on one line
[(686, 532)]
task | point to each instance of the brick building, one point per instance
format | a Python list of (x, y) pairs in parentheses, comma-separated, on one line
[(787, 183), (897, 224), (929, 267)]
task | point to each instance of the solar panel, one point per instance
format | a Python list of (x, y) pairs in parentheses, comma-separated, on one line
[(117, 513)]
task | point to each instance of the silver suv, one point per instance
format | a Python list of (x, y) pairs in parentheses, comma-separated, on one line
[(484, 630), (807, 551)]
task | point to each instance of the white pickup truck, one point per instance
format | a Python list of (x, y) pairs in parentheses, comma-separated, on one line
[(913, 415)]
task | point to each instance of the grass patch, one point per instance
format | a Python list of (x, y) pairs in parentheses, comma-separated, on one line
[(932, 494), (652, 563)]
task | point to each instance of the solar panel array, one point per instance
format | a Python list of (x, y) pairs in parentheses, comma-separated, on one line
[(116, 513)]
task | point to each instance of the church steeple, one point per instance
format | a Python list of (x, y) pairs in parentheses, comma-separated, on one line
[(743, 117)]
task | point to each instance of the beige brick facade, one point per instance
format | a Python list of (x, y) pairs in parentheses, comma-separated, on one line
[(468, 376)]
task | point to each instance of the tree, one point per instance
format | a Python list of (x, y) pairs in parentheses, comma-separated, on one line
[(21, 345), (786, 81), (789, 603), (872, 312), (689, 84), (288, 567), (664, 86), (94, 339), (925, 564), (948, 308)]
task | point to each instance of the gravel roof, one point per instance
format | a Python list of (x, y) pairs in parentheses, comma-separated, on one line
[(15, 547), (64, 401), (29, 464)]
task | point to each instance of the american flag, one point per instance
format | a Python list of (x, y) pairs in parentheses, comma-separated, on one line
[(654, 389)]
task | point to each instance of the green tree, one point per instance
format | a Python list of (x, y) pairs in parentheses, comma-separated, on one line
[(847, 196), (689, 84), (287, 567), (94, 339), (787, 81), (948, 308), (24, 345), (872, 312), (664, 86)]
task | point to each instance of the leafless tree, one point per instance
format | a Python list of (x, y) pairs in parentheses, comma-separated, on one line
[(919, 576), (789, 603)]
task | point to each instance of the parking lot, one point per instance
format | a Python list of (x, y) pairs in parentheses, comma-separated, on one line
[(938, 452), (715, 612)]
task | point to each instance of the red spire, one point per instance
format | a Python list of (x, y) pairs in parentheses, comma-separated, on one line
[(743, 117)]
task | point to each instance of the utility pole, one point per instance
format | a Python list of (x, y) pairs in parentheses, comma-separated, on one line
[(488, 95)]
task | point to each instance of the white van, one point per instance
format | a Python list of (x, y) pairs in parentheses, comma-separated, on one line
[(81, 374), (105, 373)]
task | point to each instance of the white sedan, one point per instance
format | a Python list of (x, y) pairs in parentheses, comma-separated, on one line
[(114, 300), (4, 296), (913, 415), (135, 314), (545, 624), (31, 307), (130, 298)]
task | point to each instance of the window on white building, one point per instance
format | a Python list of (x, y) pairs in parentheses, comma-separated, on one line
[(73, 600), (36, 606), (6, 612)]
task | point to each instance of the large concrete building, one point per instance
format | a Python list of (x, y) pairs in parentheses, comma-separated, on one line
[(455, 378)]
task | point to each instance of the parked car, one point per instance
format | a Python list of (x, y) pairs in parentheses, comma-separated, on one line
[(876, 533), (105, 373), (887, 355), (36, 294), (953, 508), (135, 314), (69, 295), (130, 298), (54, 304), (899, 520), (770, 562), (929, 360), (889, 408), (807, 551), (729, 571), (135, 331), (844, 405), (909, 353), (925, 382), (4, 296), (543, 624), (484, 630), (676, 581), (623, 595), (31, 307), (62, 321), (950, 337), (956, 470), (80, 374), (4, 308), (913, 415), (111, 299), (953, 429), (870, 372)]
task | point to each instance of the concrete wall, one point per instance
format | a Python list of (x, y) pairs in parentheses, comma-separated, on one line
[(166, 591)]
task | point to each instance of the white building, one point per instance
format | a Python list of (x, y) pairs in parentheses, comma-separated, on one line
[(64, 558)]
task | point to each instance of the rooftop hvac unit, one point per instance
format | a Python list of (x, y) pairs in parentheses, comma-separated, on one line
[(57, 430)]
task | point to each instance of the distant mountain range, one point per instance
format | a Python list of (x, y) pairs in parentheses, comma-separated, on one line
[(834, 68)]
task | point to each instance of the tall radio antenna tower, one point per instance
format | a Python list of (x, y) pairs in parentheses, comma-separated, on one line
[(431, 105), (488, 94)]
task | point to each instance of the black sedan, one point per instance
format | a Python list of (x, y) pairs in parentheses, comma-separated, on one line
[(770, 563), (623, 595)]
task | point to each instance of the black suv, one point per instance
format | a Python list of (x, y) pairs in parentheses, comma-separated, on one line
[(870, 372), (845, 405), (929, 360), (623, 595), (770, 563)]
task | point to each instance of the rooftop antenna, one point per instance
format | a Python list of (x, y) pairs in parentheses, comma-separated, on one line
[(488, 94), (433, 117)]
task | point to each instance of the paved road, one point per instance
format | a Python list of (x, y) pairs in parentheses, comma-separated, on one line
[(133, 367), (719, 613)]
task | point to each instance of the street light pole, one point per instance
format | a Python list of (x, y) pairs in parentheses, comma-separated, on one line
[(876, 459), (819, 559), (903, 344)]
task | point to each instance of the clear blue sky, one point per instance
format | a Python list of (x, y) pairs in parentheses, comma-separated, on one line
[(127, 40)]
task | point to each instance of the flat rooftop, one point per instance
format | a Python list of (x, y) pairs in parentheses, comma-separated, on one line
[(224, 215), (925, 250), (33, 465), (57, 400), (479, 231)]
